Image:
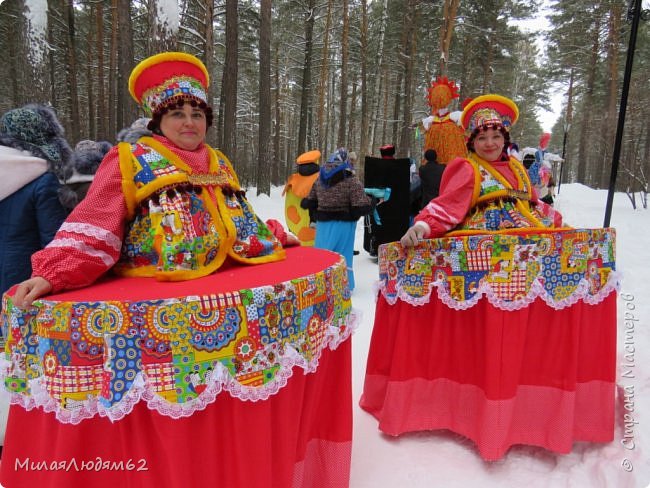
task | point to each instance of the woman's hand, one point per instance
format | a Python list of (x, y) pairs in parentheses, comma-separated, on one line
[(414, 235), (31, 289)]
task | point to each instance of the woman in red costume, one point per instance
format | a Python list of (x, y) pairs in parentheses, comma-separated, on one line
[(492, 320), (180, 199), (179, 371), (488, 191)]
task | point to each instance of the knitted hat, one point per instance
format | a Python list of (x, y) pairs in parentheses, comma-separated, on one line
[(441, 92), (309, 157), (88, 155), (35, 128), (166, 78), (489, 111)]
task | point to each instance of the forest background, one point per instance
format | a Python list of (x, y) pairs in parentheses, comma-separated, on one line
[(289, 76)]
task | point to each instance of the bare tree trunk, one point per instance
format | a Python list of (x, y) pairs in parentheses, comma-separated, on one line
[(92, 128), (487, 66), (376, 79), (610, 120), (398, 92), (277, 173), (567, 128), (344, 77), (112, 69), (101, 97), (160, 38), (583, 158), (73, 99), (384, 125), (351, 124), (450, 8), (363, 143), (208, 59), (16, 53), (324, 75), (265, 157), (126, 109), (411, 18), (229, 86), (305, 98)]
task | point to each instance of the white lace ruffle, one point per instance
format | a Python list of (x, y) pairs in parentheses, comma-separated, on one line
[(536, 291), (90, 230), (219, 381), (84, 248)]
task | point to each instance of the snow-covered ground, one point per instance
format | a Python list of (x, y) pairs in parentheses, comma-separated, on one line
[(444, 459)]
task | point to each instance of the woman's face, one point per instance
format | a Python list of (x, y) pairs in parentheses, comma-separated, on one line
[(185, 126), (488, 144)]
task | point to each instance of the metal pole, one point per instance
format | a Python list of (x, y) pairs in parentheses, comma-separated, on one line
[(635, 12)]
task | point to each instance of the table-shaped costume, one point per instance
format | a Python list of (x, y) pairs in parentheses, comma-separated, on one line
[(240, 378), (503, 338)]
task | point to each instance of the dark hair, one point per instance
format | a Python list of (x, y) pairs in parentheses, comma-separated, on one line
[(500, 128), (430, 155), (154, 123), (528, 160)]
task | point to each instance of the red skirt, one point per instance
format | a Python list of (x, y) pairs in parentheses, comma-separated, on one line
[(535, 376), (299, 437)]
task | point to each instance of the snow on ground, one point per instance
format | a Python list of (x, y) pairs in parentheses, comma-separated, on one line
[(442, 458), (445, 459)]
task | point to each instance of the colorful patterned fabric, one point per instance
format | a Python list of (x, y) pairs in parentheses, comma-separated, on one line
[(499, 206), (176, 232), (489, 110), (165, 78), (80, 359), (511, 270)]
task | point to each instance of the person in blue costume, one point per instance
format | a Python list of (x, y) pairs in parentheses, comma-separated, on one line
[(338, 201)]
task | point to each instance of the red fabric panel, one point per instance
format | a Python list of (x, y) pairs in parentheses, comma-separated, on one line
[(494, 359), (231, 276), (157, 74), (540, 416), (301, 434)]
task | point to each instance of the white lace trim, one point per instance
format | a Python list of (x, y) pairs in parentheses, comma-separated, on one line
[(485, 289), (220, 380), (84, 248), (90, 230)]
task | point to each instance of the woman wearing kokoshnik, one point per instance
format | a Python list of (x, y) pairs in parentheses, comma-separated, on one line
[(477, 293), (487, 191), (168, 206)]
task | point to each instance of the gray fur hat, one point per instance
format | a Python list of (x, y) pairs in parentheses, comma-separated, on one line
[(88, 154), (135, 131), (35, 128)]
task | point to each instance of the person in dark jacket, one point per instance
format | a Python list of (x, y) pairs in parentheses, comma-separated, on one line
[(430, 176), (34, 157), (338, 201)]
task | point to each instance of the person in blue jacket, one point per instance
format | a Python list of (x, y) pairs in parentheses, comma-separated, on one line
[(34, 158)]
